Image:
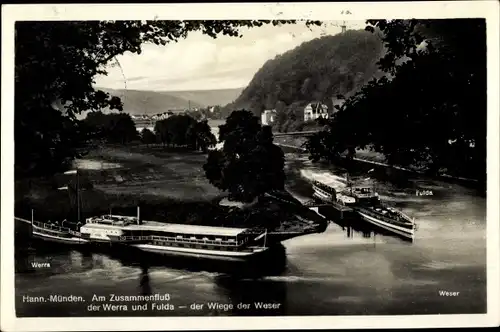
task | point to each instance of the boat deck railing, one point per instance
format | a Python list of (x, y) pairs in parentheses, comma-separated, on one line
[(53, 227), (179, 240), (384, 218)]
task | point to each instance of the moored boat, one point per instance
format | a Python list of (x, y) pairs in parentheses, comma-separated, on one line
[(365, 201), (178, 239), (329, 194), (389, 219)]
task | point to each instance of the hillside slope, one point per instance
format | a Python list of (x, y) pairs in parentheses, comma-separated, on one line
[(207, 97), (154, 102), (317, 70), (149, 102)]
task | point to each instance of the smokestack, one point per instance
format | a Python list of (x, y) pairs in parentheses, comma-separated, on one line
[(138, 215)]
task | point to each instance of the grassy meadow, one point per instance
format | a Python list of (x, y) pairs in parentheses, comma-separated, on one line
[(169, 185), (118, 179)]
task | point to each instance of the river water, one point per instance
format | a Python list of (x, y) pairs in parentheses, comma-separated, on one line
[(342, 271)]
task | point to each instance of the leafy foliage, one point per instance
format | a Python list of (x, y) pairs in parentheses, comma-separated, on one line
[(46, 141), (183, 130), (249, 164), (430, 110), (55, 66), (147, 136), (200, 137), (113, 127)]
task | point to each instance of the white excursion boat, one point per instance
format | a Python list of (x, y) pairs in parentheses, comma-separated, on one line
[(366, 203), (156, 237), (180, 239), (152, 236), (389, 219), (329, 194)]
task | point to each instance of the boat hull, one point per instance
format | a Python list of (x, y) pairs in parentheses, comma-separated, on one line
[(408, 233), (59, 239), (200, 253)]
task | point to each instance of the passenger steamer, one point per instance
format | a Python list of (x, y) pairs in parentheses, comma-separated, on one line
[(155, 237), (366, 203), (180, 239), (160, 238)]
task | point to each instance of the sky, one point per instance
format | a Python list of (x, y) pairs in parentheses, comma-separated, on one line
[(202, 63)]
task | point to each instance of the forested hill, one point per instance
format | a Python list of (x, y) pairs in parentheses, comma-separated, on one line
[(317, 70)]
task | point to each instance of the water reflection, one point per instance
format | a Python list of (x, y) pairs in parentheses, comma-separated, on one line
[(144, 286), (273, 262)]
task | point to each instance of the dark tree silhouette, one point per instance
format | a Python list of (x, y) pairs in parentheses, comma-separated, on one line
[(249, 164), (113, 127), (147, 136), (200, 137), (183, 130)]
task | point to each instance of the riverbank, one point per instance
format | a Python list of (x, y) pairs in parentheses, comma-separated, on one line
[(168, 185), (372, 158)]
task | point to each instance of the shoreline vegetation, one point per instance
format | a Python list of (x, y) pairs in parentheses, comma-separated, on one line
[(167, 184), (373, 158)]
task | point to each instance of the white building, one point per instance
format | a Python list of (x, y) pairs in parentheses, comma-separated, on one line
[(268, 117), (314, 110)]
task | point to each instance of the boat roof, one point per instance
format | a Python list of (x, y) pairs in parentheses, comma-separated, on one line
[(166, 227), (186, 229)]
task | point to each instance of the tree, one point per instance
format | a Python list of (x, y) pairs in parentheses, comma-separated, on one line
[(55, 67), (429, 111), (200, 137), (147, 136), (177, 126), (47, 142), (113, 127), (183, 130), (161, 132), (249, 164)]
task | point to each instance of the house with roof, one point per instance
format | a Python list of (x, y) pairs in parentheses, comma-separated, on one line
[(268, 117), (315, 110)]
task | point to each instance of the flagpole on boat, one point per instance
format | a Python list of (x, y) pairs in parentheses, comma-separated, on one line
[(78, 194)]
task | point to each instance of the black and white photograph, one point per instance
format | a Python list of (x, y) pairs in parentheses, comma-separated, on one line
[(339, 163)]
